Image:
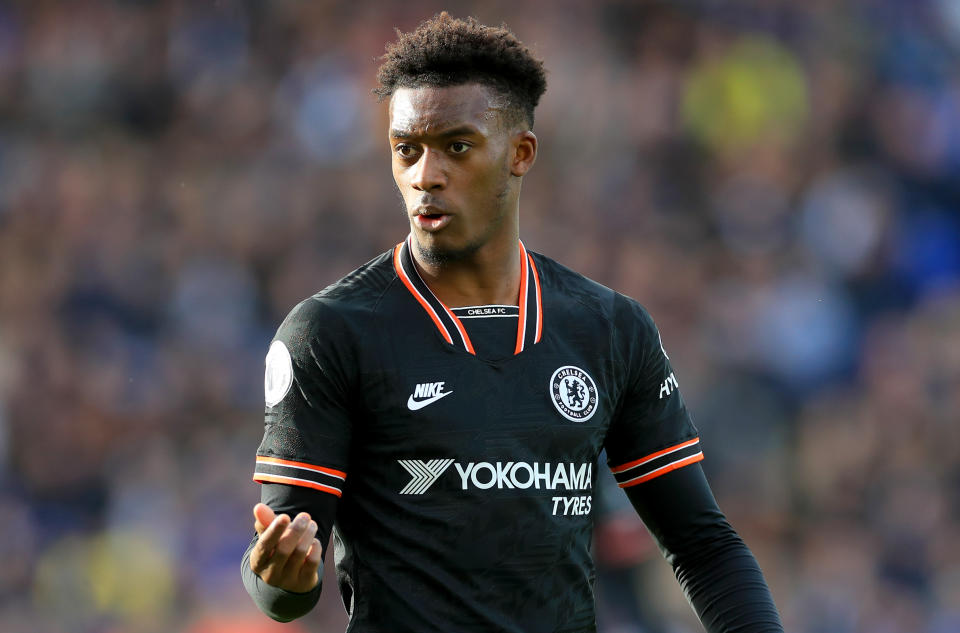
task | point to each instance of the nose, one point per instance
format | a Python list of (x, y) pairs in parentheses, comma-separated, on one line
[(428, 172)]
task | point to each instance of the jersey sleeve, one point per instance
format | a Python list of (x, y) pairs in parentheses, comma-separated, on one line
[(307, 388), (651, 433)]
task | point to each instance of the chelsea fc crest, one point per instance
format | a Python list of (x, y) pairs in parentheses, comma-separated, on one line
[(573, 393)]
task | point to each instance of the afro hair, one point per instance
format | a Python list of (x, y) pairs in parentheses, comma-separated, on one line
[(445, 51)]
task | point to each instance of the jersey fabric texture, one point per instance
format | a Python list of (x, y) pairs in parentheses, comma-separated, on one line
[(465, 479)]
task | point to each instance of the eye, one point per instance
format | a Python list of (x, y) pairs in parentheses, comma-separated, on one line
[(459, 147), (405, 150)]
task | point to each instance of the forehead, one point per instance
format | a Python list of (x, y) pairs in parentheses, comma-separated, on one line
[(428, 109)]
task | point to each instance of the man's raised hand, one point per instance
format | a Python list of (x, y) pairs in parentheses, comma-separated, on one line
[(286, 554)]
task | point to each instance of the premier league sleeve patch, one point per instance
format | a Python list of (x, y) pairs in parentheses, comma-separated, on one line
[(278, 377), (573, 393)]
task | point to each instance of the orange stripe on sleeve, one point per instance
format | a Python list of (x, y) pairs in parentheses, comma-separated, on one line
[(287, 462), (293, 481), (663, 470), (652, 456)]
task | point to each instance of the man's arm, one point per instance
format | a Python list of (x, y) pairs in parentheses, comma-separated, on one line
[(717, 571), (283, 565), (303, 458)]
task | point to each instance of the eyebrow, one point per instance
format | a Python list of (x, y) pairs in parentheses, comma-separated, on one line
[(463, 130)]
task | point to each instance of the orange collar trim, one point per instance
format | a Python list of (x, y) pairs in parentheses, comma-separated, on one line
[(530, 301)]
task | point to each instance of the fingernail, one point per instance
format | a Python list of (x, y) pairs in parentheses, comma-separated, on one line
[(301, 521)]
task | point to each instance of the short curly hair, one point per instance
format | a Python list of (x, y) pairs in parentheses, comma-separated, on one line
[(445, 51)]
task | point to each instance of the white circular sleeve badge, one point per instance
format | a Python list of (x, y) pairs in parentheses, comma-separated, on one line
[(573, 393), (278, 377)]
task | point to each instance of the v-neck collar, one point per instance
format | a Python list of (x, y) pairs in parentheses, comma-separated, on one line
[(530, 301)]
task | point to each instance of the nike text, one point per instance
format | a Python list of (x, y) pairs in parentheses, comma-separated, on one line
[(426, 393)]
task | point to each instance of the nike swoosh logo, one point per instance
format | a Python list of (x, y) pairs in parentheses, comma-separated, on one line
[(414, 405)]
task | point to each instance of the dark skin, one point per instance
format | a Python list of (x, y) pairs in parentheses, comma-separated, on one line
[(286, 554), (458, 160)]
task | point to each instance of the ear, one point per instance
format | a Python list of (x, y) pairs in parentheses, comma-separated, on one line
[(524, 152)]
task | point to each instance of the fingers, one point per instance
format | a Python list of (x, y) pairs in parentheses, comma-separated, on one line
[(263, 550), (287, 554), (271, 536), (301, 550), (263, 516), (280, 540), (311, 565)]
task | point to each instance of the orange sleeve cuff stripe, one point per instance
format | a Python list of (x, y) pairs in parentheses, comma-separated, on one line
[(653, 456), (293, 481), (287, 462), (663, 470)]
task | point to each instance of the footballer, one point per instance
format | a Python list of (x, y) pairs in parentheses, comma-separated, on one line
[(440, 409)]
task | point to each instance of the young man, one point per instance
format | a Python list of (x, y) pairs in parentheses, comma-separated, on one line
[(445, 402)]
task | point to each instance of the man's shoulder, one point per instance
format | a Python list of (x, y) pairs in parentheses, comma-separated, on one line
[(347, 299), (565, 284), (362, 288)]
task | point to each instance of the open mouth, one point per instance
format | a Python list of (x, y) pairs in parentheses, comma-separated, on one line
[(432, 221)]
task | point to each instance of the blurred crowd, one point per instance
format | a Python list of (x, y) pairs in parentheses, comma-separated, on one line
[(778, 182)]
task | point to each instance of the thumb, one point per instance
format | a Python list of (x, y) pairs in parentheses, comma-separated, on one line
[(263, 516)]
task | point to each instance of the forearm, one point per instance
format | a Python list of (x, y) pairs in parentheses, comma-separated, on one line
[(723, 582), (279, 604), (718, 573)]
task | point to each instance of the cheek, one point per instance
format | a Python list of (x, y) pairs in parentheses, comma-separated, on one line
[(494, 178), (399, 178), (500, 165), (487, 171)]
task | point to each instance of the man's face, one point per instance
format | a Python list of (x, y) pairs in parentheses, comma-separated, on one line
[(452, 159)]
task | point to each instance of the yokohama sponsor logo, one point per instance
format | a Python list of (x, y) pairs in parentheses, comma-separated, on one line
[(423, 473), (525, 475), (499, 475)]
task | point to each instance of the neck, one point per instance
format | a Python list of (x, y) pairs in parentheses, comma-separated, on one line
[(489, 276)]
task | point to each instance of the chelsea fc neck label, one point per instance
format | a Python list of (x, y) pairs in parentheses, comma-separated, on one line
[(573, 393)]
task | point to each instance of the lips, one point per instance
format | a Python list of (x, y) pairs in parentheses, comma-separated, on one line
[(431, 221), (431, 218)]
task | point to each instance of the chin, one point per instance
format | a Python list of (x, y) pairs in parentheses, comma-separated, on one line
[(434, 251)]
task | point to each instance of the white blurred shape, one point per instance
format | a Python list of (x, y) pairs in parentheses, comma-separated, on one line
[(842, 217), (804, 330)]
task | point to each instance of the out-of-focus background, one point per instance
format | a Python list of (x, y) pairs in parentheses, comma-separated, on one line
[(778, 182)]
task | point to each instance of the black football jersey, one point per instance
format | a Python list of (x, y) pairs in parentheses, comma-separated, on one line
[(466, 481)]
